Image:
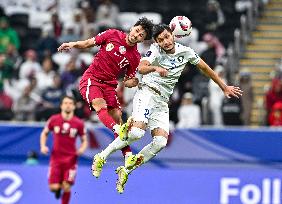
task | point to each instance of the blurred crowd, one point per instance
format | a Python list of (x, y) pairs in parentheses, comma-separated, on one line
[(33, 75)]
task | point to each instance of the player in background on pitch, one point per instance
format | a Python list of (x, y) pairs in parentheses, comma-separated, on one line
[(161, 69), (118, 54), (66, 128)]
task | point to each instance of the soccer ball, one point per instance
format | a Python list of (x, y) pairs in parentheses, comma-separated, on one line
[(181, 26)]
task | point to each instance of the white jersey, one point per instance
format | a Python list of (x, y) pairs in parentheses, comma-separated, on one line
[(174, 63)]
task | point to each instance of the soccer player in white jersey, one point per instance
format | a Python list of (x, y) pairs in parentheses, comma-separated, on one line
[(161, 69)]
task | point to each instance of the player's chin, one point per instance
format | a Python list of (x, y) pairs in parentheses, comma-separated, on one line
[(133, 40), (168, 48)]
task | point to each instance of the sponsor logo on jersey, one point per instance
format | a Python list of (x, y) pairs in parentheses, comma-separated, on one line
[(73, 132), (173, 63), (109, 47), (56, 129), (180, 59), (148, 54), (122, 49)]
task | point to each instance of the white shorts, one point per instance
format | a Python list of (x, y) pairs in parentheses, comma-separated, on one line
[(150, 108)]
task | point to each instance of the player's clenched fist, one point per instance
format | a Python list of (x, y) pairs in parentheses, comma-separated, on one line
[(44, 150)]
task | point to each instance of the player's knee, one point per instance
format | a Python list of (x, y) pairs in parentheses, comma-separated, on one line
[(54, 188), (135, 133), (66, 186), (159, 142)]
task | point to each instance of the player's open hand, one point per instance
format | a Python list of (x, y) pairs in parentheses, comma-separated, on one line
[(65, 47), (233, 91), (44, 150), (132, 82), (162, 71)]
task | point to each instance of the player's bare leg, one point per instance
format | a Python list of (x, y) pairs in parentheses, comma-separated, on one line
[(66, 187), (56, 188)]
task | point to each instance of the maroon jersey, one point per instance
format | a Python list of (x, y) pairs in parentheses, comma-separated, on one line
[(114, 58), (65, 133)]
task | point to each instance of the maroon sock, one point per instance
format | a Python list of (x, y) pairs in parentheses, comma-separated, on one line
[(66, 197), (106, 118), (125, 149)]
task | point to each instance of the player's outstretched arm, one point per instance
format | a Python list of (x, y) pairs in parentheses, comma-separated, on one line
[(83, 145), (78, 44), (43, 139), (228, 90), (146, 68)]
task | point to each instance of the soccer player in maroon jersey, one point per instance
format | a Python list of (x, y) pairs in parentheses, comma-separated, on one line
[(66, 129), (118, 54)]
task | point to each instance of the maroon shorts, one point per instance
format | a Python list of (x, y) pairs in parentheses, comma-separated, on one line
[(91, 88), (59, 172)]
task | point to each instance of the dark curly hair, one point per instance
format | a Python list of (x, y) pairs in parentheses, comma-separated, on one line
[(159, 28), (147, 25)]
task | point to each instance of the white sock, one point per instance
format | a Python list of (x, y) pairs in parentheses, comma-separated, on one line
[(117, 144), (152, 149), (116, 128)]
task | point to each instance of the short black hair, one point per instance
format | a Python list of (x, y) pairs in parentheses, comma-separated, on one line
[(159, 28), (69, 97), (147, 25)]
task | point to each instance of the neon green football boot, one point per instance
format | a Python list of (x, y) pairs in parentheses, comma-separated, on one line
[(97, 165), (122, 179), (124, 129), (134, 161)]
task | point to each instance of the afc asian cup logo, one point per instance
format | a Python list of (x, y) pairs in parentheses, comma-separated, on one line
[(56, 129), (109, 47), (73, 132)]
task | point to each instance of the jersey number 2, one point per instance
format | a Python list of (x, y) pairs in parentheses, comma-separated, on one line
[(146, 113)]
